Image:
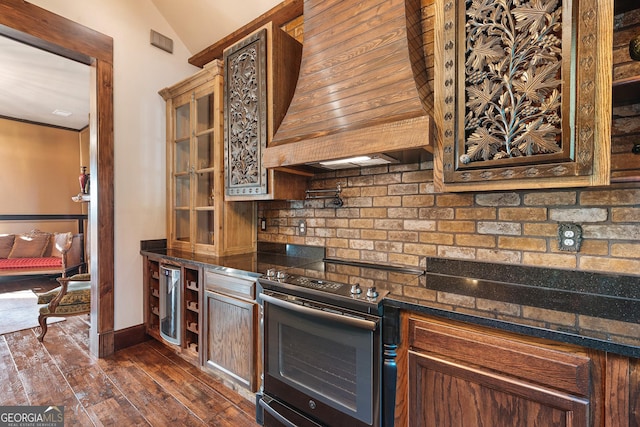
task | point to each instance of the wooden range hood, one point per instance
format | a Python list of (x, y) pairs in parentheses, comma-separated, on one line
[(362, 85)]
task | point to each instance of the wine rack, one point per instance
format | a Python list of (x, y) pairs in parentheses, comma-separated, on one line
[(191, 310), (153, 292)]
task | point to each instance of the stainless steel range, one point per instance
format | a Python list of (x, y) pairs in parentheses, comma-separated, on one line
[(322, 352)]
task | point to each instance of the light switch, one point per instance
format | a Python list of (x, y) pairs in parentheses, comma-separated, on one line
[(569, 237)]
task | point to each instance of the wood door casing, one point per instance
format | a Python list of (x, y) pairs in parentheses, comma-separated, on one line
[(38, 27)]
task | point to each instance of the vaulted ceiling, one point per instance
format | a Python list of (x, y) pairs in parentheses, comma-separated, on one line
[(35, 83)]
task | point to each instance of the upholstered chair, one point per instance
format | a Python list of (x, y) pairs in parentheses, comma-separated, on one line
[(71, 298)]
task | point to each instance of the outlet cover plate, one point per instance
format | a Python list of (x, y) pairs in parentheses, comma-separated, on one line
[(569, 237)]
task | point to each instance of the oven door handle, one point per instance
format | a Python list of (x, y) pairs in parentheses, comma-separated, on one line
[(275, 414), (346, 320)]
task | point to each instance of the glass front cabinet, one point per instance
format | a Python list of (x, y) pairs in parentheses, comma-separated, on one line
[(198, 218)]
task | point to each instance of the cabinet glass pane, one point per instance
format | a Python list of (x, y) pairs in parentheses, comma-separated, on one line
[(182, 121), (182, 156), (181, 225), (182, 191), (204, 233), (204, 108), (205, 151), (204, 191)]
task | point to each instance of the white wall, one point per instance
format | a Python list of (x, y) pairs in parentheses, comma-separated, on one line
[(140, 71)]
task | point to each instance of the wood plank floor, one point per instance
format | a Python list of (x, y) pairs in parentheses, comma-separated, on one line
[(142, 385)]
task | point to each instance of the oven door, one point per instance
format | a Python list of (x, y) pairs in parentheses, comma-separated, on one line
[(322, 361)]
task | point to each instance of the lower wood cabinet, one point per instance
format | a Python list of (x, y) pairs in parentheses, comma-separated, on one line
[(151, 291), (188, 348), (231, 337), (462, 375), (220, 321)]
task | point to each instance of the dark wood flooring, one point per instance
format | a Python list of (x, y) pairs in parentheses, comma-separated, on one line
[(146, 384), (39, 283)]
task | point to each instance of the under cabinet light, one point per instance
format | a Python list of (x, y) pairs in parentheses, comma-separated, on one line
[(358, 161), (354, 160)]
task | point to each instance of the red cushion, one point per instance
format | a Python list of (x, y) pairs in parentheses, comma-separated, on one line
[(17, 263)]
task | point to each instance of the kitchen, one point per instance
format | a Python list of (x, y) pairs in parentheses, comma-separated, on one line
[(395, 215), (390, 228)]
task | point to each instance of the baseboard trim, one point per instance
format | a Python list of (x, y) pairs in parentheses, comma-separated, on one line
[(127, 337)]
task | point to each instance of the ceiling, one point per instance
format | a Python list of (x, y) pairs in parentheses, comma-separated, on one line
[(35, 83), (200, 23)]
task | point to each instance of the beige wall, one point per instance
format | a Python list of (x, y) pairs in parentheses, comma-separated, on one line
[(139, 72), (39, 170)]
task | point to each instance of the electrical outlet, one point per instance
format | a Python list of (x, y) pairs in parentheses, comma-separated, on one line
[(569, 237), (302, 228)]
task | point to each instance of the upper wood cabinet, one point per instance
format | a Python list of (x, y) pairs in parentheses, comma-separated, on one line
[(625, 144), (198, 218), (523, 98), (261, 72)]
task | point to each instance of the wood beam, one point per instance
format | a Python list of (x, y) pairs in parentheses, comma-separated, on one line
[(286, 11)]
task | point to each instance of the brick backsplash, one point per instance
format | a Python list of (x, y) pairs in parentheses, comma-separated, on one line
[(391, 214)]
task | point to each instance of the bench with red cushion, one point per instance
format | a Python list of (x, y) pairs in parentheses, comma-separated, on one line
[(43, 263)]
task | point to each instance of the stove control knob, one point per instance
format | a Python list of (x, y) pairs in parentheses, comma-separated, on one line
[(355, 289), (271, 272), (372, 293), (281, 275)]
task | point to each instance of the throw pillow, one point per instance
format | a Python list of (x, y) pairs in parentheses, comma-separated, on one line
[(6, 243), (30, 245)]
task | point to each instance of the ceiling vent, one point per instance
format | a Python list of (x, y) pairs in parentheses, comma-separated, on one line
[(161, 42)]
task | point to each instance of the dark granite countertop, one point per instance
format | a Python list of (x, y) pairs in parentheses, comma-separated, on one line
[(593, 310), (269, 255), (512, 326)]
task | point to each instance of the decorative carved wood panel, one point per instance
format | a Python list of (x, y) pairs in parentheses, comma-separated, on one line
[(245, 116), (523, 93)]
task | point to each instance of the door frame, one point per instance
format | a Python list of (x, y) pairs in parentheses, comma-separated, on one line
[(38, 27)]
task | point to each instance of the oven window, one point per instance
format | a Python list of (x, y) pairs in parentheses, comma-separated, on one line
[(330, 361), (320, 364)]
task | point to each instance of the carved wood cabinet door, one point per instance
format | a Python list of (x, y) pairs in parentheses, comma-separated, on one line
[(245, 116), (523, 93), (260, 75)]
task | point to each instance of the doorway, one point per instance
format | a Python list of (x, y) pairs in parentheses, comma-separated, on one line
[(40, 28)]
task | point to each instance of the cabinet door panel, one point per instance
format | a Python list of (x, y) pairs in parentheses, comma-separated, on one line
[(509, 120), (231, 337), (564, 371), (444, 393)]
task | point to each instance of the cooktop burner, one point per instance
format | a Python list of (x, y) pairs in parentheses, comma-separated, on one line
[(340, 294)]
